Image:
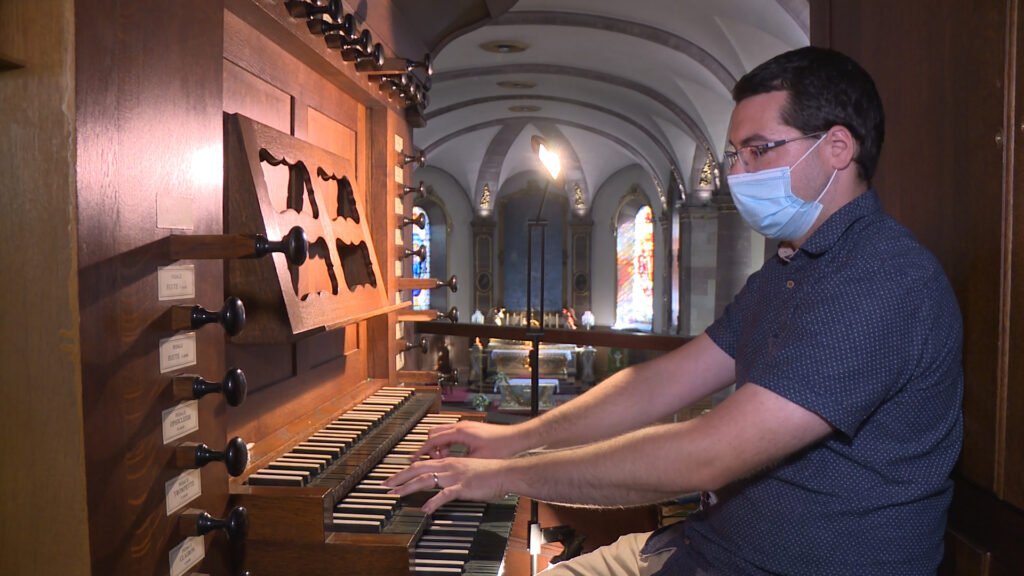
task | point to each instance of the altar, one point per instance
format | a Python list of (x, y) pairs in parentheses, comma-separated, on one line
[(512, 358)]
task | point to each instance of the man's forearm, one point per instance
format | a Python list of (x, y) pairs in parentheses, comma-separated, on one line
[(642, 467), (634, 397)]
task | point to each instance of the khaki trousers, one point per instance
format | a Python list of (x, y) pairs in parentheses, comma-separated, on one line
[(620, 558)]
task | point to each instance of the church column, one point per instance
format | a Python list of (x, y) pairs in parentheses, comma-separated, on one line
[(741, 252), (698, 253), (483, 264), (581, 231), (664, 307)]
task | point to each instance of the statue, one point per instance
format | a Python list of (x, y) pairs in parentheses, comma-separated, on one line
[(498, 316), (570, 318), (476, 356)]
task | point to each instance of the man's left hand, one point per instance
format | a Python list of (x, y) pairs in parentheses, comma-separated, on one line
[(457, 478)]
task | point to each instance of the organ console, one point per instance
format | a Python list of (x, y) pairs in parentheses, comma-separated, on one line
[(231, 317), (191, 387), (319, 503), (314, 387), (294, 246)]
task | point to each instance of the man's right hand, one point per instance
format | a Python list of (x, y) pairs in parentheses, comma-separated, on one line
[(482, 440)]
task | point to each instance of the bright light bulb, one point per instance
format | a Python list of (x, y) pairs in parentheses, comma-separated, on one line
[(550, 161)]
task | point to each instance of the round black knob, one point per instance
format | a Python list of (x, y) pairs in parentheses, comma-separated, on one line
[(235, 456), (371, 60), (452, 315), (294, 246), (320, 26), (338, 36), (452, 283), (427, 64), (418, 157), (231, 316), (422, 345), (419, 221), (233, 387), (420, 189), (420, 252), (357, 47), (299, 9), (235, 524)]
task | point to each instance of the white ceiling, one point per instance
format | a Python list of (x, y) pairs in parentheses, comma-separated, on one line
[(617, 83)]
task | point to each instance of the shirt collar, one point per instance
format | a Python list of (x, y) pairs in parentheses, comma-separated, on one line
[(832, 229)]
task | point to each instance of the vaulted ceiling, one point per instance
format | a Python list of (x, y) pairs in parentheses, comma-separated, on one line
[(611, 84)]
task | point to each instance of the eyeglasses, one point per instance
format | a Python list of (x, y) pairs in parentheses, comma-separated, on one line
[(752, 152)]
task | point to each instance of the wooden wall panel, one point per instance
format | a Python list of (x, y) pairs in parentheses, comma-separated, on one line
[(949, 75), (330, 134), (290, 380), (44, 504), (149, 114), (254, 97), (941, 85), (1013, 467)]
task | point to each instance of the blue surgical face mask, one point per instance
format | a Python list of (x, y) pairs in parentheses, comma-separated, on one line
[(766, 201)]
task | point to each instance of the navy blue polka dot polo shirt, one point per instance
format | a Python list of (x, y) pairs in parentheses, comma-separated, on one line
[(861, 327)]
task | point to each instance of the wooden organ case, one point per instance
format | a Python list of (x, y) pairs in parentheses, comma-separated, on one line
[(242, 163)]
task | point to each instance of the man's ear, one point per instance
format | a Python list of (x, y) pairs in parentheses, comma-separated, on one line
[(841, 146)]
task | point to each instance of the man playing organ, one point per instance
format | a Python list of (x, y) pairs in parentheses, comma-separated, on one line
[(833, 454)]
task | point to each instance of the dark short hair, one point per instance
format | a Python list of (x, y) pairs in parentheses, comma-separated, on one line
[(825, 88)]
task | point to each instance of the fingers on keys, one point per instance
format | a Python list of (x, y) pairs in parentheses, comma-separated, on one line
[(437, 444)]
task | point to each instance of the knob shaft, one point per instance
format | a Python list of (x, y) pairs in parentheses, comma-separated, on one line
[(191, 387), (194, 522)]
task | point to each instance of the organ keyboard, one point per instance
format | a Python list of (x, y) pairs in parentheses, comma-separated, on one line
[(319, 506)]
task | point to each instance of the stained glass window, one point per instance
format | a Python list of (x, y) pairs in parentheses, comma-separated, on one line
[(421, 266), (634, 245)]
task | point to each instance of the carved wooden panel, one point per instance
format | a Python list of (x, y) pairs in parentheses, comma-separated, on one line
[(274, 181)]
